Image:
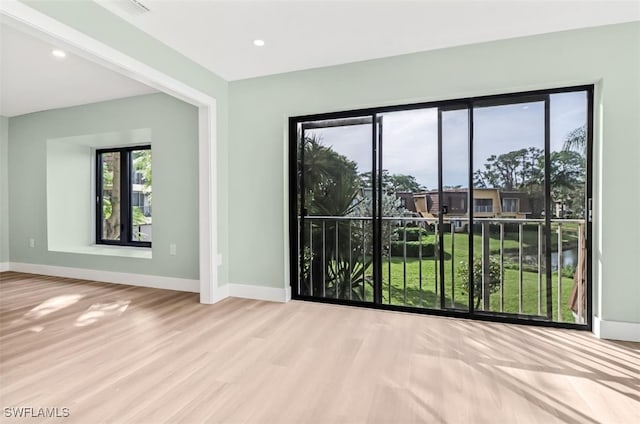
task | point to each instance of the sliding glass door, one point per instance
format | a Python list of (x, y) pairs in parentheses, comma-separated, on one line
[(474, 207), (510, 188), (335, 212), (453, 196), (409, 162)]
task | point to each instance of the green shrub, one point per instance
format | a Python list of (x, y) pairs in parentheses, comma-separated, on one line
[(413, 249), (494, 277), (413, 233)]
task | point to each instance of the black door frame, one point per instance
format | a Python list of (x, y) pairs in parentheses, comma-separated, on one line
[(296, 179)]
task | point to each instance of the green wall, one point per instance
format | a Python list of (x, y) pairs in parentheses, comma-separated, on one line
[(609, 55), (4, 189), (97, 22), (173, 126)]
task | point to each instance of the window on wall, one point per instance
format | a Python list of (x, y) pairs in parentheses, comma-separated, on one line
[(483, 205), (124, 194), (510, 205)]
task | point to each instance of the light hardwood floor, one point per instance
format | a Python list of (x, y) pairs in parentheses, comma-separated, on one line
[(114, 353)]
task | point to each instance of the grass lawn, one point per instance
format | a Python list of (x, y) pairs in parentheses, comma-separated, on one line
[(427, 294)]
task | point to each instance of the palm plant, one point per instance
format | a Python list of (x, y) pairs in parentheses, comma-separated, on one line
[(338, 262), (576, 140)]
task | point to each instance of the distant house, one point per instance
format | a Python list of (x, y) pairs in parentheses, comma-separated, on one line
[(407, 201), (487, 203)]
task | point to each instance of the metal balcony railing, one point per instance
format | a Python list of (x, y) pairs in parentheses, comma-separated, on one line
[(513, 259)]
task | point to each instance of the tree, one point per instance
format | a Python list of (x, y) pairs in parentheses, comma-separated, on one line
[(340, 251), (494, 277), (576, 140), (331, 187), (393, 183), (331, 181), (510, 171), (405, 183), (142, 164), (524, 170), (111, 201), (567, 170), (391, 207), (576, 143)]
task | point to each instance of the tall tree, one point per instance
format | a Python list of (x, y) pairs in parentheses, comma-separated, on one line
[(567, 171), (510, 171), (111, 200), (576, 140), (332, 188), (393, 183), (331, 180), (142, 164), (405, 183)]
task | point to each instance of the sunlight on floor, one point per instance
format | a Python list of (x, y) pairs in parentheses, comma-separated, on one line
[(101, 310), (52, 305)]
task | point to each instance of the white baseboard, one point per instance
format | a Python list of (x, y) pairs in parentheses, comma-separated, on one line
[(220, 293), (248, 291), (616, 330), (153, 281)]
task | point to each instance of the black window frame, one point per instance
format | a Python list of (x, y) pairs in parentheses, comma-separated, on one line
[(296, 236), (126, 218)]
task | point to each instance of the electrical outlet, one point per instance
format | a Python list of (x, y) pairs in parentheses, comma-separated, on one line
[(32, 242), (219, 259), (172, 249)]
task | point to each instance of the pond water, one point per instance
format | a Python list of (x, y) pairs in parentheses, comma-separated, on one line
[(569, 258)]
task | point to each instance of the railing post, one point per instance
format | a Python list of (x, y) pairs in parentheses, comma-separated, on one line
[(486, 267), (420, 264), (389, 266), (312, 258), (324, 258), (364, 258), (336, 282), (350, 263), (580, 271), (560, 271), (520, 270), (501, 267), (404, 261), (539, 269), (436, 258), (453, 265), (301, 262)]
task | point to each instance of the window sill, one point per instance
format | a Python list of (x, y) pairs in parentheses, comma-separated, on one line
[(104, 250)]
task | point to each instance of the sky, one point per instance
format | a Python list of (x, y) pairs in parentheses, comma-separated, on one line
[(410, 138)]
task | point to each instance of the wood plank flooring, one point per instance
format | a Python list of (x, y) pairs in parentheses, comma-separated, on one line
[(121, 354)]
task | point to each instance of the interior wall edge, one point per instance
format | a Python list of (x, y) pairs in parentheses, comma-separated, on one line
[(616, 330)]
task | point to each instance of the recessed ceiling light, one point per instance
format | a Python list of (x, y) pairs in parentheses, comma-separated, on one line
[(258, 43), (58, 53)]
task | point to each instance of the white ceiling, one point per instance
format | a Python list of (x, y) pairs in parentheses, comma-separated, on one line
[(32, 80), (307, 34)]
